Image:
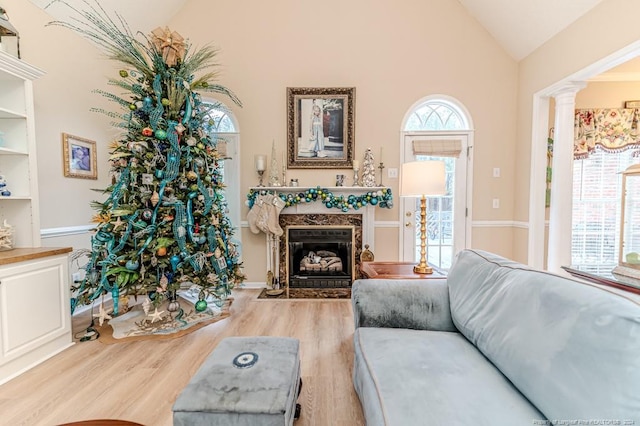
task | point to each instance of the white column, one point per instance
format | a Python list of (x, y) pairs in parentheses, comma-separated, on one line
[(560, 223)]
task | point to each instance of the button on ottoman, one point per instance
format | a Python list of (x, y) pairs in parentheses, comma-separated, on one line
[(246, 381)]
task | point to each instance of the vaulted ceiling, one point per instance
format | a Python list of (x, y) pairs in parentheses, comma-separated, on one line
[(519, 26)]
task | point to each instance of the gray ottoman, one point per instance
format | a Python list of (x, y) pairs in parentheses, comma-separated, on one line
[(246, 381)]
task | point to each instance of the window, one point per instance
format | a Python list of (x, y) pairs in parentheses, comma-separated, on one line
[(221, 121), (436, 115), (223, 130), (597, 186), (438, 129)]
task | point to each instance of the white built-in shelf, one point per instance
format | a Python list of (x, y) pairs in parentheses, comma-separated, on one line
[(7, 113), (15, 197), (9, 151)]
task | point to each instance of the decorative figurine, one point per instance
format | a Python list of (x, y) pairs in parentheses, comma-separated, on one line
[(6, 236), (368, 170), (3, 187), (274, 178)]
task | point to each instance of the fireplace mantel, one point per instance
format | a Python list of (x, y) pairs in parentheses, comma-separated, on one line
[(317, 207), (335, 189)]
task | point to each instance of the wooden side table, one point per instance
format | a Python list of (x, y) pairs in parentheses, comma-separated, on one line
[(397, 271)]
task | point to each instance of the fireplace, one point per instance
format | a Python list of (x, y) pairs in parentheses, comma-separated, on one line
[(309, 214), (320, 256), (353, 222)]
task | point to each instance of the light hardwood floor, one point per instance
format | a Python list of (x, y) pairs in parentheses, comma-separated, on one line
[(139, 381)]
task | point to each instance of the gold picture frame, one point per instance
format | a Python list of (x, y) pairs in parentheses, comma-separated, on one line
[(320, 127), (632, 104), (79, 157)]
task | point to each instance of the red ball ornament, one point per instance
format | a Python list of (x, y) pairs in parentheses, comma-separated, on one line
[(147, 131)]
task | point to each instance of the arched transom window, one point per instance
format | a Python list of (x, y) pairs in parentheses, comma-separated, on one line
[(436, 115)]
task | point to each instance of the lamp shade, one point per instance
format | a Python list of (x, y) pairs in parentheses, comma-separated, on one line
[(418, 178)]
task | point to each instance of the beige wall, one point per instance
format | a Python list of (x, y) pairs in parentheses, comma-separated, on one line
[(585, 42), (63, 99), (393, 53), (607, 94)]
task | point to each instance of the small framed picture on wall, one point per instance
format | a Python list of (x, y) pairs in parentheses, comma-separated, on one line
[(79, 157)]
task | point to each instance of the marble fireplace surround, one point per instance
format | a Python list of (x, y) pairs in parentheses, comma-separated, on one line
[(320, 220), (317, 214)]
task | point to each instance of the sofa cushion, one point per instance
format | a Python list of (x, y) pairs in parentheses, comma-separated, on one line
[(573, 349), (417, 377), (415, 304)]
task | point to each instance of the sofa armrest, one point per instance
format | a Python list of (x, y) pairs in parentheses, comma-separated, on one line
[(414, 304)]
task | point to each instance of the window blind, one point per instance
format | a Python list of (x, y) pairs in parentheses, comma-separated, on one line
[(438, 147), (597, 187)]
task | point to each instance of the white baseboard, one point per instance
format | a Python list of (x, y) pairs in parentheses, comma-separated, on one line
[(253, 284), (83, 308)]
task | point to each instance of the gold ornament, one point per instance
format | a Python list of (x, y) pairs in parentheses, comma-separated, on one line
[(154, 198), (164, 282), (191, 175), (101, 218), (170, 44)]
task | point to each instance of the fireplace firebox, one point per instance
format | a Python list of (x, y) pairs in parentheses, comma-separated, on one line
[(320, 256)]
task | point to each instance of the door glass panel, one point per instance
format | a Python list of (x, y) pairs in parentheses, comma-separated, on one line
[(439, 219)]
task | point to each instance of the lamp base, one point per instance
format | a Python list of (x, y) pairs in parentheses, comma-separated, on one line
[(420, 269)]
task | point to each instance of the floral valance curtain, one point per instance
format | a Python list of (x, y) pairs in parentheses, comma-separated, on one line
[(609, 129)]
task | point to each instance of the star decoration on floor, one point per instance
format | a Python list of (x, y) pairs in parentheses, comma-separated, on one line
[(102, 315), (156, 316)]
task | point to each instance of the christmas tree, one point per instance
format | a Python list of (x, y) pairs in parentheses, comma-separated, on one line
[(164, 222)]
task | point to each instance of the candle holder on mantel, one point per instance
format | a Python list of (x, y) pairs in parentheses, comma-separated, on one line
[(381, 167), (356, 168), (260, 164)]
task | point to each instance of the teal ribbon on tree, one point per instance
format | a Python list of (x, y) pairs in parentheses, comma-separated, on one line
[(156, 115)]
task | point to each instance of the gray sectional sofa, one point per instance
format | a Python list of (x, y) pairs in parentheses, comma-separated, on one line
[(496, 343)]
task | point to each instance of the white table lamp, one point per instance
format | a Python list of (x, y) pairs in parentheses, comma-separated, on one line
[(422, 179)]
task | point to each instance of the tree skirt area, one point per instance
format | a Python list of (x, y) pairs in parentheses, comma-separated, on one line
[(136, 325), (308, 293)]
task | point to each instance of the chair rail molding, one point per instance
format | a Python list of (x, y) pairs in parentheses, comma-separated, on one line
[(65, 231)]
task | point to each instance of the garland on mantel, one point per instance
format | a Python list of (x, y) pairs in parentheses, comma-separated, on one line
[(381, 198)]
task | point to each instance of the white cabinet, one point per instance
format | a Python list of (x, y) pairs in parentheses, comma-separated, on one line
[(35, 318), (35, 322), (18, 150)]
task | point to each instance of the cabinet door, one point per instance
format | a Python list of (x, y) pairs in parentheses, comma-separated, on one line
[(34, 305)]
